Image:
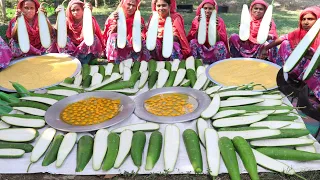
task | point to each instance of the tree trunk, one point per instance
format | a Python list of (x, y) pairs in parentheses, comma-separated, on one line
[(96, 3), (3, 9)]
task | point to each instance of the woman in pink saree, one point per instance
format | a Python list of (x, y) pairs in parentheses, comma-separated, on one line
[(5, 54), (206, 52), (75, 42), (250, 48), (289, 41), (181, 48), (29, 8), (115, 54)]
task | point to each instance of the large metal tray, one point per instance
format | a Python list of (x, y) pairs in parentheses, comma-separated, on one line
[(50, 54), (234, 59), (52, 116), (200, 100)]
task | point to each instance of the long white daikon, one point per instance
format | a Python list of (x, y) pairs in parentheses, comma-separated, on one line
[(138, 127), (42, 145), (143, 66), (167, 45), (202, 125), (18, 134), (23, 36), (87, 30), (201, 80), (190, 63), (237, 121), (212, 29), (152, 31), (61, 27), (213, 107), (313, 65), (44, 31), (228, 113), (239, 93), (271, 124), (162, 78), (239, 102), (143, 79), (244, 30), (136, 32), (202, 30), (124, 147), (302, 47), (65, 148), (265, 25), (40, 99), (250, 134), (181, 73), (171, 147), (272, 164), (282, 142), (114, 77), (213, 151), (99, 148)]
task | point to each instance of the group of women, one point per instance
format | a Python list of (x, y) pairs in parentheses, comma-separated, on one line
[(185, 45)]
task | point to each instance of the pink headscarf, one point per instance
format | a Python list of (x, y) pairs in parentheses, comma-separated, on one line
[(255, 23), (221, 27), (178, 27), (75, 30), (33, 31), (129, 21), (296, 36)]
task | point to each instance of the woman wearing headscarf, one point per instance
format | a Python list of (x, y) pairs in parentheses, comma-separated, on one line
[(206, 52), (289, 42), (115, 54), (250, 48), (5, 54), (75, 42), (30, 9), (181, 48)]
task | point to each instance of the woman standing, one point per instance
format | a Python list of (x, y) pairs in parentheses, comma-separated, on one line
[(5, 54)]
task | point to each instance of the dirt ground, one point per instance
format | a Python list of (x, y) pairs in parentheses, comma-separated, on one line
[(234, 5)]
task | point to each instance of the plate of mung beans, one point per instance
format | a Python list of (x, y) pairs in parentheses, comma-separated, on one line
[(89, 111)]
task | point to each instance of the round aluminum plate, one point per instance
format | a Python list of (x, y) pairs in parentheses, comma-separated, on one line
[(198, 98), (53, 119), (234, 59), (50, 54)]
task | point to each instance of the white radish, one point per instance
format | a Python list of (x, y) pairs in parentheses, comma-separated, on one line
[(143, 66), (167, 45), (282, 142), (202, 30), (190, 63), (171, 147), (239, 102), (265, 25), (250, 134), (136, 32), (213, 107), (202, 125), (213, 151), (122, 29), (201, 80), (271, 124), (212, 29), (126, 73), (100, 148), (143, 79), (30, 110), (109, 68), (62, 92), (44, 31), (40, 99), (237, 121), (138, 127), (244, 30), (61, 28), (17, 134), (65, 148), (114, 77), (228, 113), (87, 30), (162, 78), (181, 73), (23, 122), (23, 36), (175, 65), (152, 33), (124, 147), (272, 164)]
